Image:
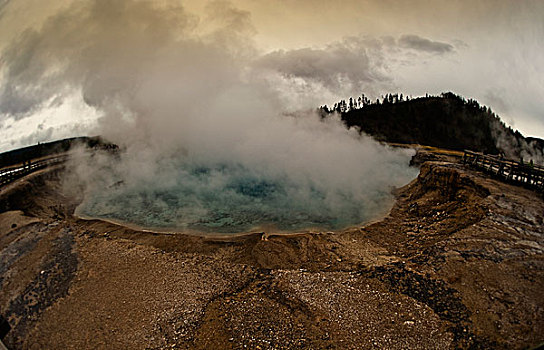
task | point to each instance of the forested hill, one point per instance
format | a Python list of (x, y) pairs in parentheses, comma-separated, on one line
[(446, 121)]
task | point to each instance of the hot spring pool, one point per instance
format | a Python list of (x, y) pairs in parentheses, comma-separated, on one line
[(229, 199)]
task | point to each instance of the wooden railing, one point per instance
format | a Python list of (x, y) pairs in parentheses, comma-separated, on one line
[(528, 175), (11, 174)]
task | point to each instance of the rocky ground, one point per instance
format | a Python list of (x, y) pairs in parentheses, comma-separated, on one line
[(458, 263)]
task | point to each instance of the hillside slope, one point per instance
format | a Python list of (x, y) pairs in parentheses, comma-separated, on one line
[(445, 121)]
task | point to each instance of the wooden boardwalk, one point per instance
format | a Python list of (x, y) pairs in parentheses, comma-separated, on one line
[(527, 175), (10, 174)]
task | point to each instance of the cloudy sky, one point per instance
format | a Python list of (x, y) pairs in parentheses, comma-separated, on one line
[(60, 60)]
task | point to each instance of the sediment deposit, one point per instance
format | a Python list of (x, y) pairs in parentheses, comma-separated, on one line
[(458, 263)]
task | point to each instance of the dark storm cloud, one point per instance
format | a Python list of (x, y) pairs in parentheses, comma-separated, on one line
[(18, 95), (416, 42), (331, 66), (353, 64), (3, 3), (99, 46)]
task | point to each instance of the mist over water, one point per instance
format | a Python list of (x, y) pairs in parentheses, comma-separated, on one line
[(211, 139), (323, 178), (231, 198)]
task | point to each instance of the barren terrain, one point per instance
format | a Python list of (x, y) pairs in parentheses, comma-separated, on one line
[(458, 263)]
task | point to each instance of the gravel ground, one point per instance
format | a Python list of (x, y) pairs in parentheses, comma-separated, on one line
[(458, 263)]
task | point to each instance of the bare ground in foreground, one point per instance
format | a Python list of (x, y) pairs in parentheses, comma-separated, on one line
[(458, 263)]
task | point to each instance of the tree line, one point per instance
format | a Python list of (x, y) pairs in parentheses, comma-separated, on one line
[(447, 121)]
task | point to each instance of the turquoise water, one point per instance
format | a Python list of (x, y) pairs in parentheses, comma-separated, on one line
[(232, 199)]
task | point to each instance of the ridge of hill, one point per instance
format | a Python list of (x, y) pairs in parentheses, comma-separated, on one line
[(51, 148), (446, 121)]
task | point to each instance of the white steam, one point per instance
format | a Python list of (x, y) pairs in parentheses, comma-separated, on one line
[(292, 173), (207, 144)]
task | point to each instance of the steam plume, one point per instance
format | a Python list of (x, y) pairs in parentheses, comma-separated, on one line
[(206, 143)]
